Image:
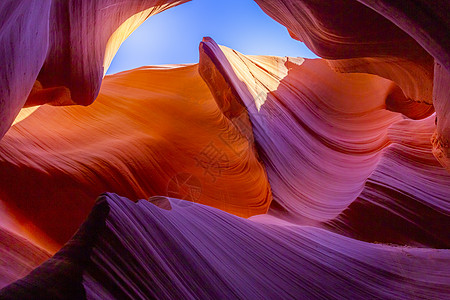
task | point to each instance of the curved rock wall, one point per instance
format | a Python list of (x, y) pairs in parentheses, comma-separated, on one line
[(265, 177)]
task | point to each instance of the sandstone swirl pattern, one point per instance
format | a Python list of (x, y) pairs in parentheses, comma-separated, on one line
[(265, 177), (180, 254), (147, 128)]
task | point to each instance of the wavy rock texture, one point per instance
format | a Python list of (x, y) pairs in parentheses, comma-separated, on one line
[(372, 43), (307, 135), (413, 80), (180, 254), (76, 56), (23, 48), (152, 131), (338, 136), (350, 30), (406, 199), (341, 177), (51, 53), (441, 137), (426, 22), (18, 256)]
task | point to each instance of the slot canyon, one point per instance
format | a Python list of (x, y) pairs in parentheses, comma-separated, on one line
[(236, 177)]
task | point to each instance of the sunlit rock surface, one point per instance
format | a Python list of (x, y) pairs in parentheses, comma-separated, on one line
[(152, 131), (385, 38), (51, 48), (318, 144), (369, 42), (265, 177)]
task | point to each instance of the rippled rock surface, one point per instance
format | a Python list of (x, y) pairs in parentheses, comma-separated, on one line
[(265, 177), (138, 250)]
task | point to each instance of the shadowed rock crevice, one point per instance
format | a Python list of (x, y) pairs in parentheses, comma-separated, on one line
[(60, 277)]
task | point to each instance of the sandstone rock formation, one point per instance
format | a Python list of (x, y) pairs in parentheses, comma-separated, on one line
[(52, 53), (401, 43), (265, 177)]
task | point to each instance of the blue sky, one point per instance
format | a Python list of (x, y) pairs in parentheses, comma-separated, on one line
[(173, 36)]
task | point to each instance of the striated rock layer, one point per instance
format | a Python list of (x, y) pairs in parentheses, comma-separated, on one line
[(324, 138), (401, 43), (138, 250), (338, 164), (311, 124), (23, 48), (324, 148), (51, 52), (406, 198), (18, 256), (152, 131)]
